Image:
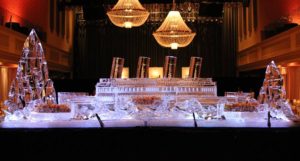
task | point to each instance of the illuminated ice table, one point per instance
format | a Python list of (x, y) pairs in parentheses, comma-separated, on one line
[(189, 123)]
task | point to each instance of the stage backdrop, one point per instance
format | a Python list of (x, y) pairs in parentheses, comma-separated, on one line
[(96, 42)]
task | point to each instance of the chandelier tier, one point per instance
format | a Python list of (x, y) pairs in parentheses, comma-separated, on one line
[(174, 32), (128, 14)]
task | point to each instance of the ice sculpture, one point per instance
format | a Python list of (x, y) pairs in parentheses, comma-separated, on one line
[(2, 115), (145, 99), (32, 81), (273, 93)]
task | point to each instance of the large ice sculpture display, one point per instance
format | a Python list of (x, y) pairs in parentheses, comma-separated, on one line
[(144, 98), (32, 90), (273, 93), (32, 94)]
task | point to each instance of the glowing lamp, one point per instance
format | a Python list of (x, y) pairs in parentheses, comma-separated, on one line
[(174, 46), (283, 70), (125, 73), (128, 25), (173, 32), (155, 72), (185, 72)]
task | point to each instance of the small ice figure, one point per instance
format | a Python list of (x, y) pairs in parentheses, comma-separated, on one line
[(15, 116), (220, 108)]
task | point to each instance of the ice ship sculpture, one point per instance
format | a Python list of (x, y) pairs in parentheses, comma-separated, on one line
[(273, 93), (32, 80), (148, 98)]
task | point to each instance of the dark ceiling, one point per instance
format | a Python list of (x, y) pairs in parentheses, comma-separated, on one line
[(81, 2), (93, 9)]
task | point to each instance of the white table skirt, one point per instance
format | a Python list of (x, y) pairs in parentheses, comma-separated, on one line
[(139, 123)]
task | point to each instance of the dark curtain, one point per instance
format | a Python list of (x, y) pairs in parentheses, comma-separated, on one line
[(97, 42), (230, 39)]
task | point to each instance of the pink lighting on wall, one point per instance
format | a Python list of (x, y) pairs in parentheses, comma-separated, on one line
[(296, 16), (35, 11)]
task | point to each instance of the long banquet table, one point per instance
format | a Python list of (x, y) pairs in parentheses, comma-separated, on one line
[(129, 123)]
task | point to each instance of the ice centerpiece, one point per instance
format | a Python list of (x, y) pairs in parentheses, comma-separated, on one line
[(144, 98), (273, 94), (32, 93), (156, 95)]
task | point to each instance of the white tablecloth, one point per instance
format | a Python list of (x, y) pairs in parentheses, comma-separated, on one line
[(153, 123)]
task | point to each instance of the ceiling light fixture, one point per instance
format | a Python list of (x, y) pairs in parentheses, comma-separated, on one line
[(173, 32), (128, 14)]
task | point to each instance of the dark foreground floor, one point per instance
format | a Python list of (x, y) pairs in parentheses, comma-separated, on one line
[(151, 144)]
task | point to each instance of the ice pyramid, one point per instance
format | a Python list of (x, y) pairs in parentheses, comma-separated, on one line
[(32, 80), (273, 93)]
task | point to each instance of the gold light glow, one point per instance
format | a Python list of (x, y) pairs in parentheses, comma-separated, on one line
[(295, 16), (283, 70), (173, 32), (185, 72), (293, 64), (3, 83), (125, 73), (128, 25), (155, 72), (128, 14)]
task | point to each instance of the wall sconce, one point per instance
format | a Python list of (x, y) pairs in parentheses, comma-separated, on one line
[(125, 73), (155, 72), (283, 70), (185, 72)]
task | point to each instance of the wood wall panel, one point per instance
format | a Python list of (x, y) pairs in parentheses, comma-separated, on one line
[(4, 41), (298, 40), (253, 57), (65, 59), (243, 60), (19, 46), (293, 82), (278, 48), (11, 45), (54, 56)]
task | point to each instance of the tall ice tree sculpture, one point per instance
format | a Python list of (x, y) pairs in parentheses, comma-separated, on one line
[(32, 81), (273, 93)]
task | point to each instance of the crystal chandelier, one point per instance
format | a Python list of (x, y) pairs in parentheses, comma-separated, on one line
[(174, 32), (128, 14)]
